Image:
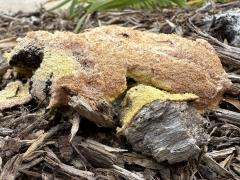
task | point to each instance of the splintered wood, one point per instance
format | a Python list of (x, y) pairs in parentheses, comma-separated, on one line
[(89, 71)]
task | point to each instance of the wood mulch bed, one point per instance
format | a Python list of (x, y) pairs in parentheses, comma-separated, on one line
[(42, 137)]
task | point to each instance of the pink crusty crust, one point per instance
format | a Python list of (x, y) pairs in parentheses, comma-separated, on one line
[(109, 54)]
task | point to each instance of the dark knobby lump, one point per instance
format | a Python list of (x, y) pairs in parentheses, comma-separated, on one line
[(226, 26)]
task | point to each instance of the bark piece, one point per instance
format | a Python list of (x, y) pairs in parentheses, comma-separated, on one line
[(210, 162), (167, 130), (221, 153), (70, 170), (15, 93), (11, 168), (94, 65), (101, 118), (225, 25), (228, 116), (65, 148), (126, 174), (143, 161), (3, 65), (98, 154), (234, 77)]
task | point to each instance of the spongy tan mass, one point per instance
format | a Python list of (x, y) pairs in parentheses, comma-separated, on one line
[(95, 64)]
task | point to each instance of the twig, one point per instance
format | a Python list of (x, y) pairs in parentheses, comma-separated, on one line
[(215, 166), (126, 174), (69, 169)]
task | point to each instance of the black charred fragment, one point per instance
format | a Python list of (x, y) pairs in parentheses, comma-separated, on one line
[(227, 27), (30, 57), (125, 35), (47, 88)]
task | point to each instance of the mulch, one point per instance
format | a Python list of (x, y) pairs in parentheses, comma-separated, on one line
[(42, 136)]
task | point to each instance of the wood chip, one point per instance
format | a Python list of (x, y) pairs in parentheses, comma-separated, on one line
[(75, 125), (11, 168), (69, 169), (221, 153), (126, 174), (215, 166), (140, 160), (226, 161), (40, 140), (234, 77), (228, 116)]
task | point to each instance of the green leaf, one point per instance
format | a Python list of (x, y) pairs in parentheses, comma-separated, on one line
[(90, 6), (71, 9), (80, 23)]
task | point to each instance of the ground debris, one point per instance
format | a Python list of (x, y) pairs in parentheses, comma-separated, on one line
[(100, 153)]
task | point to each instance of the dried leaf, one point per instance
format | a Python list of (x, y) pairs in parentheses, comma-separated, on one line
[(15, 93), (234, 102)]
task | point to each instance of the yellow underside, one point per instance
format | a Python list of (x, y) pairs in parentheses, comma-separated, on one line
[(141, 95), (14, 90)]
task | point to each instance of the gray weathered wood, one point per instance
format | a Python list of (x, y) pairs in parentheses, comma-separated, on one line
[(3, 65), (234, 77), (167, 130), (228, 116), (104, 119)]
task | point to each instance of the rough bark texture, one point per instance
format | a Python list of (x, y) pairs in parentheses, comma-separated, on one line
[(167, 130), (3, 65)]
